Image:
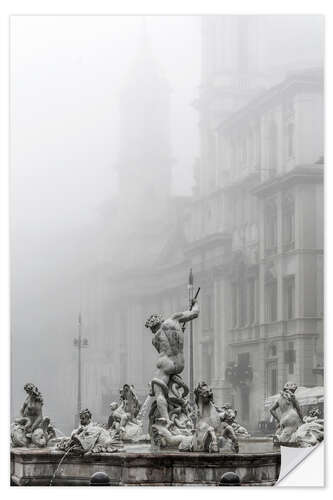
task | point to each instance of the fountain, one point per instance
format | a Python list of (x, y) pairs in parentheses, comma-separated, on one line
[(186, 444)]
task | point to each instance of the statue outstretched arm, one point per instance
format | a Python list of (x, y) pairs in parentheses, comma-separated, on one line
[(188, 315)]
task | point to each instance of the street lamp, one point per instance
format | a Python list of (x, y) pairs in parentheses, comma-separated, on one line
[(79, 343)]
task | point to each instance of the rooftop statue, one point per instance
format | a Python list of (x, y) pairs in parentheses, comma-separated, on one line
[(31, 429), (292, 427), (90, 437)]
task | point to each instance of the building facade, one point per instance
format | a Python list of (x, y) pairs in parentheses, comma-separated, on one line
[(252, 232), (257, 236)]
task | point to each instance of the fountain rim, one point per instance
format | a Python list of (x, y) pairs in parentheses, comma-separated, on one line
[(51, 452)]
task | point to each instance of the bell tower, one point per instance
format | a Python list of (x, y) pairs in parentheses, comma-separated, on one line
[(144, 160), (231, 77)]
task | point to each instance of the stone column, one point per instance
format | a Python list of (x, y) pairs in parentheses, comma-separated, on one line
[(222, 390), (278, 261)]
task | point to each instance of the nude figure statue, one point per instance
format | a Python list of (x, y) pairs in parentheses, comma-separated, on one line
[(168, 340), (290, 416)]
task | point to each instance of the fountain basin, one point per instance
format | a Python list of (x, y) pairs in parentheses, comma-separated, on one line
[(137, 465)]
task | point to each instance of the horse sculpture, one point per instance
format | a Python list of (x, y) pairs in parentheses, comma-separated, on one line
[(211, 429)]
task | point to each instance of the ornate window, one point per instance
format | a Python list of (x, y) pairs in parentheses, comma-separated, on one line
[(290, 140), (251, 287), (270, 228), (242, 304), (272, 351), (288, 222), (271, 299), (289, 117), (289, 297), (272, 378), (290, 358), (272, 149), (243, 152)]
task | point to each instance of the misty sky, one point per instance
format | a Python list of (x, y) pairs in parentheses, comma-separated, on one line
[(67, 73), (66, 76)]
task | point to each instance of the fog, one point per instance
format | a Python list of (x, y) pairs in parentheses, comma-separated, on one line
[(67, 78)]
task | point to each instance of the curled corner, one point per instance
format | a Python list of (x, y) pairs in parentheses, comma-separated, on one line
[(292, 458)]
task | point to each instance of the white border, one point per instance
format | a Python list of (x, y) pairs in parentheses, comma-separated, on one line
[(177, 7)]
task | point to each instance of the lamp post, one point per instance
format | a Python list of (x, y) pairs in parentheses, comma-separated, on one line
[(79, 343)]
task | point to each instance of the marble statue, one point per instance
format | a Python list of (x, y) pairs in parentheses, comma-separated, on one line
[(210, 434), (311, 432), (168, 340), (213, 428), (123, 414), (228, 415), (292, 427), (290, 417), (31, 429), (170, 411), (170, 416), (90, 437)]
